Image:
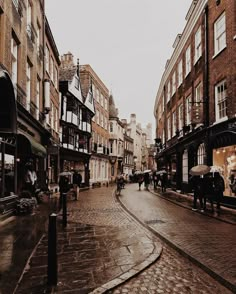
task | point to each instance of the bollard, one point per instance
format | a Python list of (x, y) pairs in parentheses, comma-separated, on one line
[(64, 210), (52, 250)]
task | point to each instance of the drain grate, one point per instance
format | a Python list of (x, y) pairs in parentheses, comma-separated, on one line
[(154, 221)]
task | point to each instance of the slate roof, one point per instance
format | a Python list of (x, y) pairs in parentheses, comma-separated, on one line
[(67, 74)]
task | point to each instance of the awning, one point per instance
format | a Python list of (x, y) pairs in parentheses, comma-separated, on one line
[(223, 139), (28, 144)]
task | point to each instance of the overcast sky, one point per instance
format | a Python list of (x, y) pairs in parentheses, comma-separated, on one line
[(126, 42)]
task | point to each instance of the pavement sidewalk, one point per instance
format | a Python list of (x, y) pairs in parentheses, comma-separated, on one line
[(101, 247)]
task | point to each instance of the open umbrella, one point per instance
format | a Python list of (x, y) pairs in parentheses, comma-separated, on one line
[(65, 173), (138, 172), (216, 169), (146, 171), (163, 171), (199, 170)]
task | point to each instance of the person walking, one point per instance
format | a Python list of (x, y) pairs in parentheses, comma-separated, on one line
[(77, 179), (140, 181), (30, 179), (218, 188), (146, 181), (197, 183), (64, 187), (163, 179)]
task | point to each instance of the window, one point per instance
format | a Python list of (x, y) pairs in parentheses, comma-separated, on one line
[(173, 83), (174, 122), (188, 110), (168, 91), (221, 100), (219, 34), (198, 45), (201, 154), (105, 100), (180, 116), (168, 128), (188, 61), (185, 166), (29, 19), (14, 61), (52, 69), (180, 72), (38, 36), (47, 59), (28, 85), (111, 147), (198, 93), (37, 97), (111, 127)]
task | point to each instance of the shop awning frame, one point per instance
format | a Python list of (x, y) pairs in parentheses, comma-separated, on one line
[(35, 148)]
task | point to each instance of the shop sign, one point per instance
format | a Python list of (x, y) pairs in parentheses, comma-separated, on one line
[(197, 113), (100, 150)]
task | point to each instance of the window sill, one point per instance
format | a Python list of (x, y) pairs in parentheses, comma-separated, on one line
[(218, 53), (220, 120)]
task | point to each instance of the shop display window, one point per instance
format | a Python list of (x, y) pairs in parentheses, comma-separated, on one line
[(225, 159)]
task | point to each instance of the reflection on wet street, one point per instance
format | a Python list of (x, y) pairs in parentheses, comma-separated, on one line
[(100, 243), (17, 241)]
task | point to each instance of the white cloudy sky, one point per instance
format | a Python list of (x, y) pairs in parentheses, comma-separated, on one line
[(126, 42)]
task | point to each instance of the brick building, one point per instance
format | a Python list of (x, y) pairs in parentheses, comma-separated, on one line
[(196, 99), (99, 161), (24, 135)]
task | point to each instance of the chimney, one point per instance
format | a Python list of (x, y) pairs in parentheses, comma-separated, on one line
[(67, 60)]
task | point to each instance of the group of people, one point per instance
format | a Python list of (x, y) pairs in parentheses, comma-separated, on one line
[(210, 186)]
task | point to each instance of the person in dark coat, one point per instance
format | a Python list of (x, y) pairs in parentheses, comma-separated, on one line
[(146, 181), (140, 181), (77, 179), (163, 179), (64, 187), (197, 183)]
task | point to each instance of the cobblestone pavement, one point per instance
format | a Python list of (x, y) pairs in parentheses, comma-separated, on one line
[(207, 241), (101, 246)]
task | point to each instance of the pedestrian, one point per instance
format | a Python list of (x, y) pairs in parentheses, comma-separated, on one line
[(218, 188), (64, 187), (77, 179), (140, 181), (146, 181), (197, 183), (30, 179), (163, 179)]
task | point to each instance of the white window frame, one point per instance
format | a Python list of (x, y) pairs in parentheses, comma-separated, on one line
[(174, 123), (221, 101), (14, 61), (28, 85), (168, 128), (198, 93), (180, 117), (168, 92), (219, 34), (188, 107), (173, 83), (180, 72), (188, 60), (198, 44), (201, 154), (185, 166)]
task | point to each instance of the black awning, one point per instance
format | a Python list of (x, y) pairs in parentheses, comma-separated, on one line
[(223, 139), (27, 144)]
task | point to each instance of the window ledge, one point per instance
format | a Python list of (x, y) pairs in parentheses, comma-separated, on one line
[(220, 120), (218, 53)]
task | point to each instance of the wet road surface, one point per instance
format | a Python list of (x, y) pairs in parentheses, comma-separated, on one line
[(207, 241)]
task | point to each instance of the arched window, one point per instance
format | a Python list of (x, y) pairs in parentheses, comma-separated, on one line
[(111, 127), (185, 166), (201, 154)]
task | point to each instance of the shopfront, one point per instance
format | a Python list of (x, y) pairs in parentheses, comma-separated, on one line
[(8, 143)]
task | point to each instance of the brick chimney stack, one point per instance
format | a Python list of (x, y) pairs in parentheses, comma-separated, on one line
[(67, 60)]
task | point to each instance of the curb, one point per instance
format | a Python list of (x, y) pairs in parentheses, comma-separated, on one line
[(138, 268), (213, 274)]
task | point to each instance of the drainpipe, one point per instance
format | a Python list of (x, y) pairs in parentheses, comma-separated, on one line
[(206, 82)]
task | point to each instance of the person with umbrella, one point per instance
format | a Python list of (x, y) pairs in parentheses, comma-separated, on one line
[(197, 181)]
